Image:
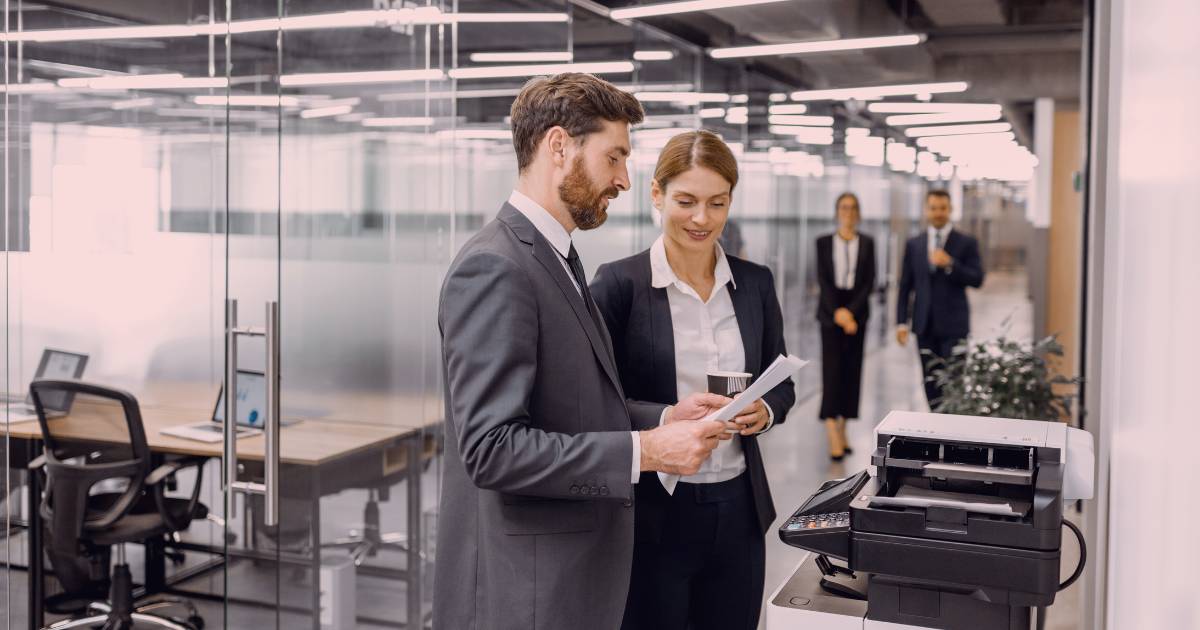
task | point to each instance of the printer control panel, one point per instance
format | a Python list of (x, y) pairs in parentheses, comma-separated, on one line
[(817, 521)]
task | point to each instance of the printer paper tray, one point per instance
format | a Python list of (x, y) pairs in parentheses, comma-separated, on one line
[(912, 496)]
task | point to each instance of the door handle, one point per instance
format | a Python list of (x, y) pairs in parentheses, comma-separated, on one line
[(229, 478)]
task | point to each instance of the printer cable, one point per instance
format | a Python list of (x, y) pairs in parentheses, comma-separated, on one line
[(1041, 610)]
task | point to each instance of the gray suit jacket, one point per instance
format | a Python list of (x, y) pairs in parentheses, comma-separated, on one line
[(536, 524)]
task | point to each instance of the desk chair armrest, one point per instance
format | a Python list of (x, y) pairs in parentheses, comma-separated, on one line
[(154, 480), (166, 470)]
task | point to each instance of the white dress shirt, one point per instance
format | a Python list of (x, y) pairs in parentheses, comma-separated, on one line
[(560, 240), (845, 261), (707, 338)]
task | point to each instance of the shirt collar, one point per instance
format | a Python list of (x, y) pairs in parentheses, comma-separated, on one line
[(662, 276), (545, 223), (945, 231)]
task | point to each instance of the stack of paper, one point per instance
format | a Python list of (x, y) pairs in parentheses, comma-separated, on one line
[(782, 368)]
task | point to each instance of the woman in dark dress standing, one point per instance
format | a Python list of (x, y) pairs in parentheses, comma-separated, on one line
[(846, 274), (676, 312)]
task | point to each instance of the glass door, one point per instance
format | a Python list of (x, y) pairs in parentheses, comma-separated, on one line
[(263, 554), (365, 185)]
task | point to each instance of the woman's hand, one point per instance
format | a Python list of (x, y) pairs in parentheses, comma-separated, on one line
[(753, 419)]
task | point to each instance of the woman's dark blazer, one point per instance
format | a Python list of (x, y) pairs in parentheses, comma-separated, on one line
[(864, 280), (639, 320)]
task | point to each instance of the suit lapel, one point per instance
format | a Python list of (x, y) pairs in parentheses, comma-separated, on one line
[(951, 245), (743, 309), (858, 261), (544, 253), (662, 338)]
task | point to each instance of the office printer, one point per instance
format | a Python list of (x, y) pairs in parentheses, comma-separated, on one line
[(957, 524)]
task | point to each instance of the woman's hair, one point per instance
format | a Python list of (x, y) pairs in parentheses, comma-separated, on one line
[(696, 148), (846, 195)]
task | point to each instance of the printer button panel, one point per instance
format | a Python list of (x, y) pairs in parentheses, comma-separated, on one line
[(818, 521)]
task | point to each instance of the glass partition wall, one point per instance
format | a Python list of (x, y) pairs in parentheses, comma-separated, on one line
[(269, 192)]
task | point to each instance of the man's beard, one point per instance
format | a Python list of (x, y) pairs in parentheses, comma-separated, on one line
[(585, 205)]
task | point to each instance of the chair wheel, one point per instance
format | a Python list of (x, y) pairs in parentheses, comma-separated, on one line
[(196, 622)]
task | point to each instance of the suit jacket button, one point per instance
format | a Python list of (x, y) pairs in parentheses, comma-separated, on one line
[(574, 489), (594, 490), (603, 491)]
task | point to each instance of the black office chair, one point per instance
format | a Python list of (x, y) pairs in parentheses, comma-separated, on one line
[(82, 527)]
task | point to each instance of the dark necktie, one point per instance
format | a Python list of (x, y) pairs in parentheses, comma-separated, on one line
[(577, 270), (937, 244)]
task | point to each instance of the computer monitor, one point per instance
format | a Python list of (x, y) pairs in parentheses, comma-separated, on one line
[(59, 365), (251, 400)]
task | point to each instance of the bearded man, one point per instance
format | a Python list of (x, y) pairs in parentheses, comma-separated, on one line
[(536, 524)]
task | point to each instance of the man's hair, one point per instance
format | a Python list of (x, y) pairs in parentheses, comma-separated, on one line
[(937, 192), (575, 101)]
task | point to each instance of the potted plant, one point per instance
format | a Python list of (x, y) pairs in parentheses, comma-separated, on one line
[(1005, 378)]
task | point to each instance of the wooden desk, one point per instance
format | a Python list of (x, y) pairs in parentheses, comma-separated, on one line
[(327, 452)]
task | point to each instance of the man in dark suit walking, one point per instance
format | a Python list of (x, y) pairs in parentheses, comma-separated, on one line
[(938, 267), (536, 527)]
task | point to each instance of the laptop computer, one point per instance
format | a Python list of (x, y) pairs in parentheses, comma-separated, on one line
[(251, 403), (58, 365)]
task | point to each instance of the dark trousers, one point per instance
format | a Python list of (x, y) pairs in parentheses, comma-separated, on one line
[(939, 347), (707, 571), (841, 371)]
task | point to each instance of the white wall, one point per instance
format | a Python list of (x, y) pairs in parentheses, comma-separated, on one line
[(1149, 345)]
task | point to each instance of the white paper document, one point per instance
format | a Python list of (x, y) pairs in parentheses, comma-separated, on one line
[(781, 369)]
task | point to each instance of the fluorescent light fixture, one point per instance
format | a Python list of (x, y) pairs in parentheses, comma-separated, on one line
[(354, 78), (399, 121), (522, 57), (653, 55), (323, 112), (955, 130), (903, 120), (682, 97), (208, 112), (932, 108), (739, 98), (320, 21), (797, 119), (502, 18), (475, 134), (533, 70), (857, 131), (30, 88), (248, 100), (802, 48), (778, 97), (879, 91), (806, 135), (712, 112), (134, 103), (796, 108), (144, 82), (344, 19), (969, 143), (739, 115), (672, 8), (354, 117)]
